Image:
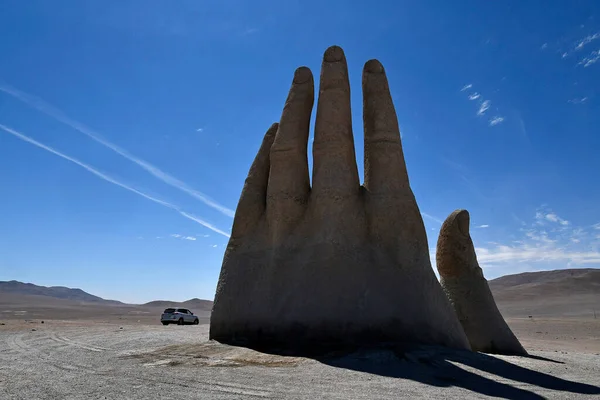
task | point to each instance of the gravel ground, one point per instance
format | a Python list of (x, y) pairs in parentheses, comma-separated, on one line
[(100, 360)]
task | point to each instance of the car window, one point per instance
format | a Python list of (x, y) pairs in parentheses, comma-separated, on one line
[(181, 310), (169, 311)]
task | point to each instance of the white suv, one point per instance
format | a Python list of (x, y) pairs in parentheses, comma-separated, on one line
[(179, 316)]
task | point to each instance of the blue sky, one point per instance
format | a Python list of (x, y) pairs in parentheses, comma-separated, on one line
[(127, 128)]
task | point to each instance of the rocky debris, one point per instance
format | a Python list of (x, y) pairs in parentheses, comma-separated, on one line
[(468, 290)]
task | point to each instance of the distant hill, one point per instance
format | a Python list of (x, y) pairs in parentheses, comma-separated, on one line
[(193, 304), (15, 291), (547, 283), (57, 292), (566, 292)]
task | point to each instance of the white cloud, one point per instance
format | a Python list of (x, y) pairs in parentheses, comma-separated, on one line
[(48, 109), (214, 245), (591, 59), (596, 226), (474, 96), (548, 242), (485, 105), (578, 100), (555, 218), (466, 87), (586, 40), (200, 130), (496, 120), (182, 237), (532, 254), (544, 46), (483, 226), (107, 178)]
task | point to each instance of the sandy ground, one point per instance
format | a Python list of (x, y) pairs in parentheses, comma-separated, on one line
[(111, 359)]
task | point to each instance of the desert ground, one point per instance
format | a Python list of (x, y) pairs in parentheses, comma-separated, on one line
[(132, 356), (60, 343)]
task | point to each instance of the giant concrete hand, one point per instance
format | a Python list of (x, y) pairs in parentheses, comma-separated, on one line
[(336, 263)]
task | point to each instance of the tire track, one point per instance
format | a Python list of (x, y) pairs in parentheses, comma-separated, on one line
[(213, 387), (69, 342), (15, 342)]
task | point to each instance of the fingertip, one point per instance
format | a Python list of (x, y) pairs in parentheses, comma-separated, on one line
[(302, 75), (463, 220), (373, 67), (334, 54)]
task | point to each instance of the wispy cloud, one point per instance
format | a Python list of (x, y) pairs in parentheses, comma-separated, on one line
[(48, 109), (549, 240), (555, 218), (496, 120), (107, 178), (485, 105), (591, 59), (586, 40), (483, 226), (200, 130), (544, 46), (182, 237), (580, 100)]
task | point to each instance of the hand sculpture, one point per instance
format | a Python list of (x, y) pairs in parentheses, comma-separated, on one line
[(336, 263), (467, 288)]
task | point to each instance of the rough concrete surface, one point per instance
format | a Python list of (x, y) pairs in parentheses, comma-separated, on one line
[(336, 263), (468, 290), (104, 360)]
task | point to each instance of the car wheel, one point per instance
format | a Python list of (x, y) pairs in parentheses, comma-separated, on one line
[(196, 322), (180, 322), (165, 323)]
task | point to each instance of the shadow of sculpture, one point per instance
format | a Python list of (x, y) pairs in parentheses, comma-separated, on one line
[(444, 367)]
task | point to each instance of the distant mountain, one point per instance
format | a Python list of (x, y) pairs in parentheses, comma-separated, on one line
[(548, 283), (57, 292), (565, 292), (194, 304)]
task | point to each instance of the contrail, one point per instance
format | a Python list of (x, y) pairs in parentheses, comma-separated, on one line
[(112, 180), (431, 217), (58, 115)]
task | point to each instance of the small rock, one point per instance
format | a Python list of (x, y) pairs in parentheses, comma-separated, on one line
[(2, 323), (42, 322), (120, 327), (33, 330)]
